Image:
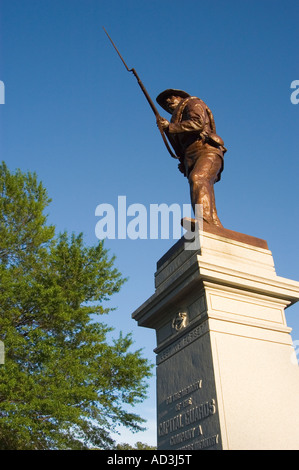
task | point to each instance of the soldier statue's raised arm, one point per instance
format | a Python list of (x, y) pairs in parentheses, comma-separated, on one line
[(192, 134)]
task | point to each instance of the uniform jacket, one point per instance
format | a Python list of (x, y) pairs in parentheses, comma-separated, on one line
[(191, 121)]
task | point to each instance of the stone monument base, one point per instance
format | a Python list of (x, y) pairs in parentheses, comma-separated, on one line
[(227, 375)]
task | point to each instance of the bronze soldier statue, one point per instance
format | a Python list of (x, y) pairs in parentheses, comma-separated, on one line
[(192, 134)]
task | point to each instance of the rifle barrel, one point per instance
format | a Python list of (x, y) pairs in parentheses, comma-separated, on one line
[(149, 100), (136, 76)]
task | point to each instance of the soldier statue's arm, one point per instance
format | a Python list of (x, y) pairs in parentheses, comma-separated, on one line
[(193, 119)]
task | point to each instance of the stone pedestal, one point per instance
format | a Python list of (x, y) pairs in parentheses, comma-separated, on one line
[(227, 376)]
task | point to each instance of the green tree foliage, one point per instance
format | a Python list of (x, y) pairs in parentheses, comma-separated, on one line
[(63, 385), (138, 446)]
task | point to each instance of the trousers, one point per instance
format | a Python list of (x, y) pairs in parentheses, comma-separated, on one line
[(203, 167)]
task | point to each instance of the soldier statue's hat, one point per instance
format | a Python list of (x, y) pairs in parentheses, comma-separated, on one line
[(161, 98)]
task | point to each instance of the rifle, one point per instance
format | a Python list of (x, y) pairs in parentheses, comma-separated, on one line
[(153, 107)]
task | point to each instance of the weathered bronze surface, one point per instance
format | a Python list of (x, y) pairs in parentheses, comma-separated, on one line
[(192, 134)]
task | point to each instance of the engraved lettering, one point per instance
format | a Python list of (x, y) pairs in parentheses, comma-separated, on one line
[(191, 416), (187, 447), (183, 404), (171, 425), (182, 436), (185, 391), (207, 442), (185, 341)]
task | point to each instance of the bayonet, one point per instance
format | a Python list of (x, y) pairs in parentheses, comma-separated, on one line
[(150, 101)]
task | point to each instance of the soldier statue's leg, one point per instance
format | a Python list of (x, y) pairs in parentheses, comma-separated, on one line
[(201, 179), (216, 220)]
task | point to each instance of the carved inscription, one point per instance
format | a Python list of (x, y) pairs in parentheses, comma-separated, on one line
[(185, 435), (190, 416), (183, 404), (185, 391), (181, 343), (208, 442), (202, 444), (186, 424)]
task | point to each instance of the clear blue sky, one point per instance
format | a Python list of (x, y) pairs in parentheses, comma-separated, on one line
[(78, 119)]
